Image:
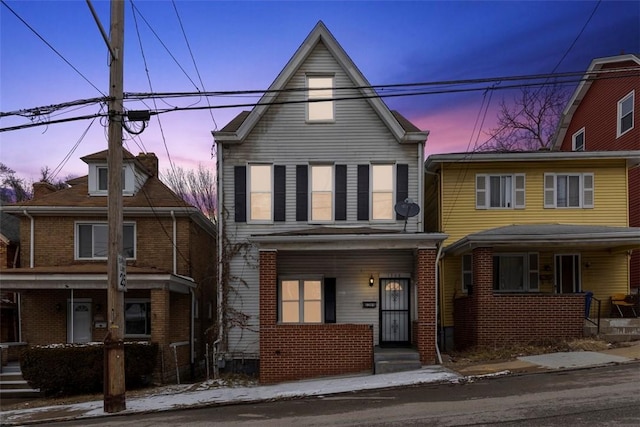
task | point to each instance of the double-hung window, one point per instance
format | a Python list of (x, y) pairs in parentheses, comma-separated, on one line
[(467, 272), (625, 113), (137, 317), (92, 240), (321, 192), (99, 180), (301, 301), (260, 192), (516, 272), (320, 88), (382, 186), (568, 190), (500, 191), (577, 141)]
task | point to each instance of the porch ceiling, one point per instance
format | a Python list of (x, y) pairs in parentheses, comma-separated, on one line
[(551, 236), (335, 239)]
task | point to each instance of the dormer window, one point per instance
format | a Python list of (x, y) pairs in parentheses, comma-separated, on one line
[(99, 180), (320, 87)]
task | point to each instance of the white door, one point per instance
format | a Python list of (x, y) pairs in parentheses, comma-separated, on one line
[(79, 322)]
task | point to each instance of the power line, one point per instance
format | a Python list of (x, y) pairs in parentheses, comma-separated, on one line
[(50, 46)]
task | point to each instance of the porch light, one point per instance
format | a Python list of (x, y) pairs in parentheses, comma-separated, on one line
[(371, 280)]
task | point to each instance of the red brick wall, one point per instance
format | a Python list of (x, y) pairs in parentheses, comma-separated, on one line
[(424, 327), (489, 318), (293, 352)]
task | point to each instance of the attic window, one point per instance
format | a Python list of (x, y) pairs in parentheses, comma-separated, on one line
[(625, 113), (320, 88), (99, 180)]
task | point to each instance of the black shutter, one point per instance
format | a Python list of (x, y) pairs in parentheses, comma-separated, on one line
[(341, 193), (329, 300), (279, 195), (240, 189), (402, 185), (302, 192), (363, 192)]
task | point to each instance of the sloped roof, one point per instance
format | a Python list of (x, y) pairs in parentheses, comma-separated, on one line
[(583, 88), (243, 123), (9, 228), (550, 235)]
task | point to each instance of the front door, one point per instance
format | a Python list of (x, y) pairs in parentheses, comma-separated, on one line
[(79, 322), (567, 273), (394, 312)]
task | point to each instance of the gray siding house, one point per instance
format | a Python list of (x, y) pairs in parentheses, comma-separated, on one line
[(318, 267)]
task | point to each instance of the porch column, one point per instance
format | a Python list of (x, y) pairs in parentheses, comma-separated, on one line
[(425, 324), (268, 313), (482, 296), (160, 329)]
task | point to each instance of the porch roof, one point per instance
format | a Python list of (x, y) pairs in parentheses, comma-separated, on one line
[(543, 236), (91, 276), (346, 238)]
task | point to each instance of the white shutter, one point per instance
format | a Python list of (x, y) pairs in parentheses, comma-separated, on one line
[(587, 190), (549, 190), (481, 191), (519, 191)]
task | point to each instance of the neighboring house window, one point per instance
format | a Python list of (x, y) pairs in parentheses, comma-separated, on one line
[(301, 301), (577, 140), (516, 272), (321, 192), (92, 240), (260, 192), (500, 191), (625, 113), (467, 272), (320, 88), (382, 192), (568, 190), (99, 180), (137, 317), (265, 200)]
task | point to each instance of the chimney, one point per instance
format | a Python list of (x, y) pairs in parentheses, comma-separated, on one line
[(42, 189), (150, 162)]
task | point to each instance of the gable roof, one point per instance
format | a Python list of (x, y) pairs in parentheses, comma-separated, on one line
[(9, 228), (238, 129), (586, 82)]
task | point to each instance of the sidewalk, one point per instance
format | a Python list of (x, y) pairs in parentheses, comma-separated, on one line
[(180, 397)]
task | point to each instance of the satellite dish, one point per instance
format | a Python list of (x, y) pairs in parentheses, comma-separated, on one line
[(407, 209)]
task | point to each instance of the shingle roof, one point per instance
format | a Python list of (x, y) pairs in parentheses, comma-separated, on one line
[(10, 227)]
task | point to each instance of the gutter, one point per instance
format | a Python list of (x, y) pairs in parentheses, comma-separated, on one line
[(220, 254), (31, 239)]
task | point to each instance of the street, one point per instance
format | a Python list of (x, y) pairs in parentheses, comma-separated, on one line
[(600, 396)]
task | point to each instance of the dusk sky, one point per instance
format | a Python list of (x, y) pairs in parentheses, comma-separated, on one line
[(242, 45)]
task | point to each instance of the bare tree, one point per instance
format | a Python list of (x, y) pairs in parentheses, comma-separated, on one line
[(14, 189), (529, 122), (59, 184), (196, 187)]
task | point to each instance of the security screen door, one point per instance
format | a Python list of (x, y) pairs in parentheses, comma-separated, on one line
[(394, 312)]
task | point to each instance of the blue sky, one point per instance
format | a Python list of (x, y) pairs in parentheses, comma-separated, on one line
[(241, 45)]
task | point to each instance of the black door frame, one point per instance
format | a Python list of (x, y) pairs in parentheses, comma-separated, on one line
[(405, 312)]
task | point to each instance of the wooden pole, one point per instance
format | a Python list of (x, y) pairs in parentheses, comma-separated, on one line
[(114, 376)]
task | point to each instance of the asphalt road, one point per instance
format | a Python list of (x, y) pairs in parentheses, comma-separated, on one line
[(608, 396)]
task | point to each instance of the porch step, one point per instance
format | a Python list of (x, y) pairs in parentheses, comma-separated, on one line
[(13, 386), (388, 360), (615, 329)]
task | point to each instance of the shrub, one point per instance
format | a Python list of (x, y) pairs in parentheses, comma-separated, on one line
[(69, 369)]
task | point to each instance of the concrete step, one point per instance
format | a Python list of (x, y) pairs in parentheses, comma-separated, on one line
[(10, 376), (15, 384), (20, 393), (390, 366), (389, 354)]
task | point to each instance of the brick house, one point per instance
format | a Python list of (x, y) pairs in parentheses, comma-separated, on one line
[(9, 249), (528, 234), (170, 250), (319, 270), (601, 116)]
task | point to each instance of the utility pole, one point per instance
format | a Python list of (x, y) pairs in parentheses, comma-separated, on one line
[(114, 375)]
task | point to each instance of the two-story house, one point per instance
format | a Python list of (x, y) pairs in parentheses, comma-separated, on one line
[(319, 268), (529, 234), (170, 250), (602, 116)]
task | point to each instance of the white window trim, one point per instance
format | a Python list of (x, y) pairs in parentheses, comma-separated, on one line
[(330, 99), (301, 300), (128, 182), (134, 301), (393, 192), (483, 191), (631, 95), (586, 191), (310, 194), (574, 137), (76, 240), (527, 271), (248, 201)]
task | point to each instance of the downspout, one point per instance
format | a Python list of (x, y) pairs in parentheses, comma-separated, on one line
[(421, 186), (193, 296), (437, 270), (31, 239), (219, 201)]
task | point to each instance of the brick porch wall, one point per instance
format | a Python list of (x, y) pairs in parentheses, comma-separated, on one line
[(293, 352), (488, 318), (424, 327)]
